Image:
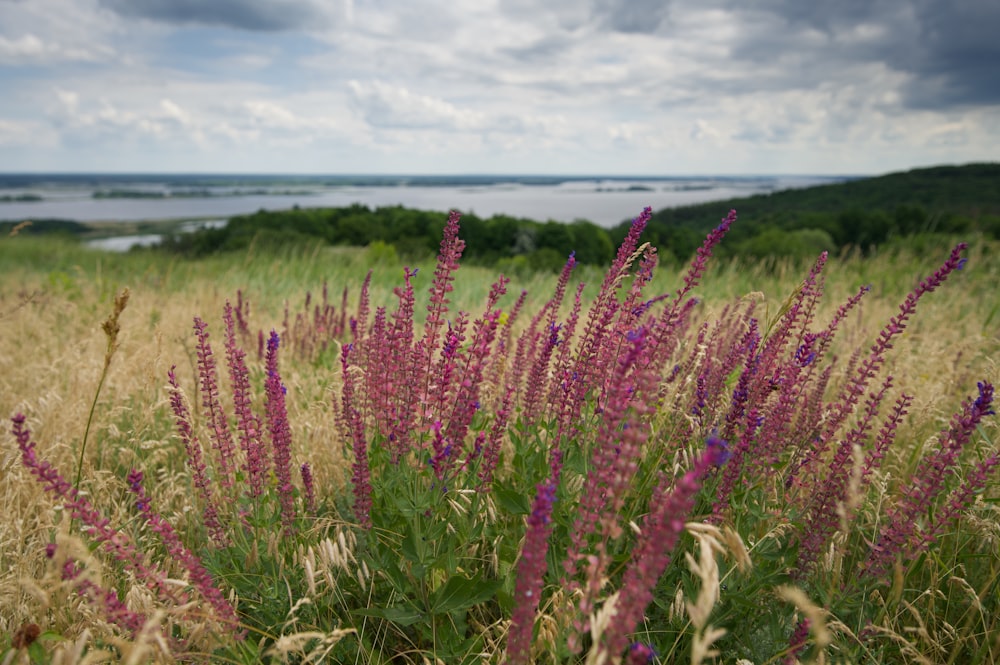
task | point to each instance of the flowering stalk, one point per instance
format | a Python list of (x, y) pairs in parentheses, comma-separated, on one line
[(597, 351), (536, 377), (823, 519), (195, 461), (797, 642), (355, 430), (447, 263), (872, 364), (444, 455), (359, 323), (467, 396), (111, 328), (562, 376), (222, 438), (309, 487), (531, 573), (886, 435), (114, 542), (658, 534), (623, 432), (734, 468), (491, 449), (899, 536), (199, 577), (115, 611), (961, 497), (446, 370), (248, 424), (281, 434), (665, 329), (403, 368), (498, 372)]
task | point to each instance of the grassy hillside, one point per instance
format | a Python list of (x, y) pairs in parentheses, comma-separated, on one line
[(867, 213)]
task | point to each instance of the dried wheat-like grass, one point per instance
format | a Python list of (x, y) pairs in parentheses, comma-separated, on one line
[(599, 621), (306, 646), (706, 569), (816, 615)]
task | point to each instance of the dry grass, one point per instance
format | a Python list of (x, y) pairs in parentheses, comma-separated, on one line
[(50, 318)]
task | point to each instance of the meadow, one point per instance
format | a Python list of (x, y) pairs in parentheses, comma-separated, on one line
[(322, 455)]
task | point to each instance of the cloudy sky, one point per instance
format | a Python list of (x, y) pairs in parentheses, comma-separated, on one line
[(498, 86)]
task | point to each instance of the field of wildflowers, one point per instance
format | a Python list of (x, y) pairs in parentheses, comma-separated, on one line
[(642, 470)]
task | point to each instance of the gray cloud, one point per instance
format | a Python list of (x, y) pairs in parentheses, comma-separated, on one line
[(632, 16), (948, 49), (628, 16), (957, 57), (254, 15)]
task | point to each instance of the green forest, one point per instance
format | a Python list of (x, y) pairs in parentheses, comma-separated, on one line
[(911, 208)]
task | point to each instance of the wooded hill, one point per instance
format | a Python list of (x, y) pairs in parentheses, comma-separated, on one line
[(864, 213)]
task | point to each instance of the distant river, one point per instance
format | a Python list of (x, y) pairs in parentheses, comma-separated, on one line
[(603, 201)]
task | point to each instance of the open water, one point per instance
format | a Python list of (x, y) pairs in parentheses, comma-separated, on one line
[(606, 201)]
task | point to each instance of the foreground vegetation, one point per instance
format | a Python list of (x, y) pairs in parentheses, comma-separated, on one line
[(283, 456)]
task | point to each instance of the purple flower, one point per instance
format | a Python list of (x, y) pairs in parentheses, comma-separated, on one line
[(659, 532), (115, 611), (797, 642), (985, 400), (310, 489), (530, 574), (222, 438), (640, 653), (95, 525), (199, 576), (899, 535), (247, 422), (354, 428), (195, 460), (718, 450), (281, 434)]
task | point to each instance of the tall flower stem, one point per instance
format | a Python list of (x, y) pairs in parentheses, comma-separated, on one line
[(111, 329)]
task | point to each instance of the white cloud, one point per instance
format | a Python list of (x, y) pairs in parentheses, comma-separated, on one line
[(395, 107), (24, 133), (30, 49), (271, 114)]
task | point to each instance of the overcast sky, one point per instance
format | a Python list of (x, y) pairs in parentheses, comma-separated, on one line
[(498, 86)]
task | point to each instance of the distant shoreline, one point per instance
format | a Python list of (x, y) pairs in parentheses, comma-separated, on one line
[(604, 200), (11, 178)]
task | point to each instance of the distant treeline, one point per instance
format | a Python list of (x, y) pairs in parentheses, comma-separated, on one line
[(866, 214), (863, 213), (408, 233)]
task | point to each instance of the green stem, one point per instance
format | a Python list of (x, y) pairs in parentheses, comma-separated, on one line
[(86, 433)]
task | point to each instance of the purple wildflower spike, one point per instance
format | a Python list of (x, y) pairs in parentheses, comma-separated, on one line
[(281, 433)]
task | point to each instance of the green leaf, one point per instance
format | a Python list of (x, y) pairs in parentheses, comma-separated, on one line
[(436, 530), (460, 593), (512, 501), (409, 548), (394, 575), (402, 615)]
